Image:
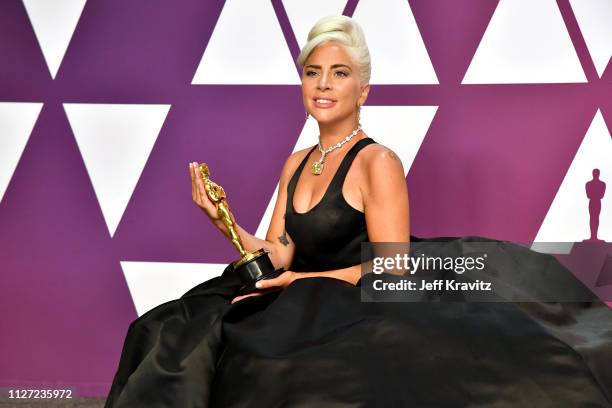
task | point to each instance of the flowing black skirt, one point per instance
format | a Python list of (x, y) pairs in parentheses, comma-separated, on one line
[(317, 344)]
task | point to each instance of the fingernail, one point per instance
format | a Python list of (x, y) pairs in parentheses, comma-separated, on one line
[(258, 285)]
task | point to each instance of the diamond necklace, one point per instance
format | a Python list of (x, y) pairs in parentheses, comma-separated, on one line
[(317, 167)]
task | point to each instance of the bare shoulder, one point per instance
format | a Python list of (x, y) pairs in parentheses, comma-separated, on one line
[(383, 174), (377, 157), (294, 160), (299, 155)]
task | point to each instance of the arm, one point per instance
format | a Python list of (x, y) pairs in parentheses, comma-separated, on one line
[(352, 274), (386, 199)]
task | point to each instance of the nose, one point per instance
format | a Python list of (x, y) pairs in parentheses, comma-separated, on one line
[(323, 82)]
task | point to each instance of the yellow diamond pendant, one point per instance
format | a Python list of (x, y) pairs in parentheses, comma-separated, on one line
[(317, 168)]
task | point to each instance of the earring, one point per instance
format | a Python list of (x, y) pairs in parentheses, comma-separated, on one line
[(307, 115), (359, 114)]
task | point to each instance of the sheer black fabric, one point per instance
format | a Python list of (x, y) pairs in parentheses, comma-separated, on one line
[(332, 224), (316, 344)]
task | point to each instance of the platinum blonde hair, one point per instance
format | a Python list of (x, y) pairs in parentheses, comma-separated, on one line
[(347, 32)]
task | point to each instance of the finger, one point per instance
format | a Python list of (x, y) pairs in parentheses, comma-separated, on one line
[(193, 192), (238, 298), (262, 284), (198, 183), (257, 293), (269, 283)]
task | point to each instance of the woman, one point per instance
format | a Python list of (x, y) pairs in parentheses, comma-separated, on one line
[(305, 338), (335, 85)]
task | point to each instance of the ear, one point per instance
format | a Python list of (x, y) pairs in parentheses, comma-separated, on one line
[(365, 90)]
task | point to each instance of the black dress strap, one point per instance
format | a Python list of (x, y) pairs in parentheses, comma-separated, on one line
[(293, 181), (345, 165)]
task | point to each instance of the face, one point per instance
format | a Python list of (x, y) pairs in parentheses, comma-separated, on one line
[(330, 84)]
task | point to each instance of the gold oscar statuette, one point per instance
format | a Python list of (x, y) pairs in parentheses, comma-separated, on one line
[(252, 266)]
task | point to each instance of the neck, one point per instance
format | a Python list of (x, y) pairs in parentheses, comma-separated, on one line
[(332, 133)]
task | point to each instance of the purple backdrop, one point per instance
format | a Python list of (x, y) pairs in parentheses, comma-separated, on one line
[(64, 298)]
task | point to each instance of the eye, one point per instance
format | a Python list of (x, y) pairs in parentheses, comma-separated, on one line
[(308, 73), (342, 73)]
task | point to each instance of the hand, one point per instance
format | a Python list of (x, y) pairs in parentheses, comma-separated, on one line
[(198, 193), (270, 285)]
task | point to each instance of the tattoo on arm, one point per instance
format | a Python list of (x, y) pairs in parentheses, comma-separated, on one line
[(392, 155), (283, 238)]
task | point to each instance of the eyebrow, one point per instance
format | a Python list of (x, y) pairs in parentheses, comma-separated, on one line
[(333, 66)]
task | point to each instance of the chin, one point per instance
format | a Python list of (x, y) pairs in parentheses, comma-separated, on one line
[(327, 117)]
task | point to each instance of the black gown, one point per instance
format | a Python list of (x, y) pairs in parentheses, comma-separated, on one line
[(317, 344)]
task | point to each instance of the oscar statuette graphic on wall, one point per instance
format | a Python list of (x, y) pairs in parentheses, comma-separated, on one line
[(595, 190)]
